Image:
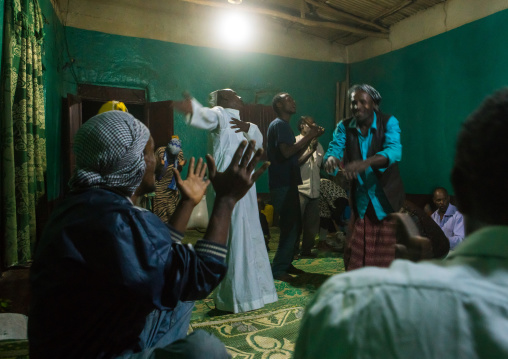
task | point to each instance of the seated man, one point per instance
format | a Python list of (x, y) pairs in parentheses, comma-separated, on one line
[(452, 308), (110, 279), (448, 217), (333, 200)]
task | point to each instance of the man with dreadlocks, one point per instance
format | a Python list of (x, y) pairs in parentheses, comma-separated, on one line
[(369, 145), (248, 284), (112, 280)]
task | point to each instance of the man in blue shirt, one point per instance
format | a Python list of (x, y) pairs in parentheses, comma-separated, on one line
[(451, 308), (284, 178), (448, 217), (369, 146)]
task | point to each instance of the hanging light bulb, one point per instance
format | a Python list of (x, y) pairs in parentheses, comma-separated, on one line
[(236, 2), (235, 29)]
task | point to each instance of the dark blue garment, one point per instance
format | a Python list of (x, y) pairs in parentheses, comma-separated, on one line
[(283, 172), (286, 202), (173, 160), (101, 266)]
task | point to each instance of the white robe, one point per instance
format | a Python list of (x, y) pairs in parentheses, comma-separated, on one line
[(248, 284)]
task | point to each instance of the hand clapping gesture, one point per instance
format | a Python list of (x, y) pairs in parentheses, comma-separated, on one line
[(238, 178), (193, 188), (239, 125)]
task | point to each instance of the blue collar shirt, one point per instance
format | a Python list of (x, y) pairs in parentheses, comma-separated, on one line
[(369, 189), (452, 225)]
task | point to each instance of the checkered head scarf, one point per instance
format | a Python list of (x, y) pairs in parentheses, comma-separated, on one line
[(109, 153), (373, 93)]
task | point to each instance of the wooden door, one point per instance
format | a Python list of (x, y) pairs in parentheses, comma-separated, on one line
[(71, 124), (262, 116), (159, 119)]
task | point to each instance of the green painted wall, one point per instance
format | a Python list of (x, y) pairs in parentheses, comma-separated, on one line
[(432, 86), (165, 70), (52, 60)]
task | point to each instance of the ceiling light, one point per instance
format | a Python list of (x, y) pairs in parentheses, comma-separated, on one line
[(235, 29), (236, 2)]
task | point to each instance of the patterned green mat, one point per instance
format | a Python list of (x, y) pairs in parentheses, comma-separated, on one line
[(14, 349), (304, 286), (258, 334), (269, 332)]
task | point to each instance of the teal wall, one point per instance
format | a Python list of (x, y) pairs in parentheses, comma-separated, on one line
[(432, 86), (52, 60), (165, 70)]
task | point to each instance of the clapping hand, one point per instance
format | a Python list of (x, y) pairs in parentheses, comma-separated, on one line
[(238, 178), (316, 130), (193, 188), (239, 125)]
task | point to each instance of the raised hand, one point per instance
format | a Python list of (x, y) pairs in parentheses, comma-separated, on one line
[(193, 188), (184, 106), (313, 144), (316, 130), (238, 178), (239, 125)]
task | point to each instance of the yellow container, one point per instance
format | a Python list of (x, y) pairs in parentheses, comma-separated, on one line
[(268, 212)]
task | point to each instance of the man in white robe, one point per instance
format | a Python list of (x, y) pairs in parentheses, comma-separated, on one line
[(248, 284)]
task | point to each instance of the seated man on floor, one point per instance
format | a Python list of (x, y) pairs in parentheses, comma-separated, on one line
[(112, 280), (333, 200), (454, 308), (448, 217)]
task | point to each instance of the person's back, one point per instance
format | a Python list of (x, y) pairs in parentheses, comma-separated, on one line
[(110, 279), (85, 265), (455, 308)]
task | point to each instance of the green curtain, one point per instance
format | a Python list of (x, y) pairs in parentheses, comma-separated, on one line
[(22, 132)]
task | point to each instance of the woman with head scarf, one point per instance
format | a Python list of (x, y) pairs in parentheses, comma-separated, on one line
[(112, 280)]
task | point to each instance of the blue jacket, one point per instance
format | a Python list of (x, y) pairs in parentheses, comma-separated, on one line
[(101, 266)]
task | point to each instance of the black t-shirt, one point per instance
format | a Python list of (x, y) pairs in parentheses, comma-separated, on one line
[(283, 172)]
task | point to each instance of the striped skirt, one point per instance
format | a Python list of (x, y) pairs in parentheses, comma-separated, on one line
[(372, 243)]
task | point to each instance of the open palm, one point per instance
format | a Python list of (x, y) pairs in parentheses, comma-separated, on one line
[(194, 186), (239, 177)]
